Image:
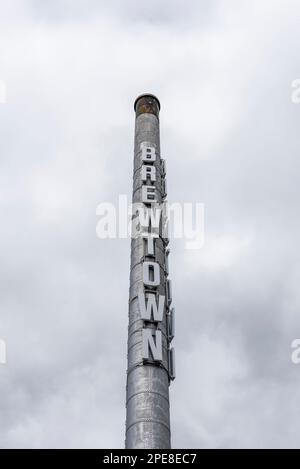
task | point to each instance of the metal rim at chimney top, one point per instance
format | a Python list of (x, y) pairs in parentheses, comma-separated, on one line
[(146, 95)]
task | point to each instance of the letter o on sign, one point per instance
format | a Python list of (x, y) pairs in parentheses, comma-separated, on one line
[(151, 274)]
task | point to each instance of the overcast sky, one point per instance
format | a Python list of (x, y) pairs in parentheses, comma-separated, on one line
[(230, 134)]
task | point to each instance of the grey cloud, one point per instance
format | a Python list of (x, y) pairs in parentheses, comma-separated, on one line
[(177, 14)]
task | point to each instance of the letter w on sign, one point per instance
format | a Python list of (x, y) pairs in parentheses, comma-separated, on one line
[(150, 311)]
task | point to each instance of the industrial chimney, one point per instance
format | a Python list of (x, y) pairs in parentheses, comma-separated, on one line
[(151, 317)]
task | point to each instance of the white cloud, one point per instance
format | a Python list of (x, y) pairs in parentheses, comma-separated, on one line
[(218, 252)]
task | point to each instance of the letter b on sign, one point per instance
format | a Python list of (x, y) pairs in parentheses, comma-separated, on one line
[(148, 153)]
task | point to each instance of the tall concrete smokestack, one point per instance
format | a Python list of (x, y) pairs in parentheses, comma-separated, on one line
[(151, 318)]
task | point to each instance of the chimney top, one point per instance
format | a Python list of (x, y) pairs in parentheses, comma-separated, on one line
[(147, 103)]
